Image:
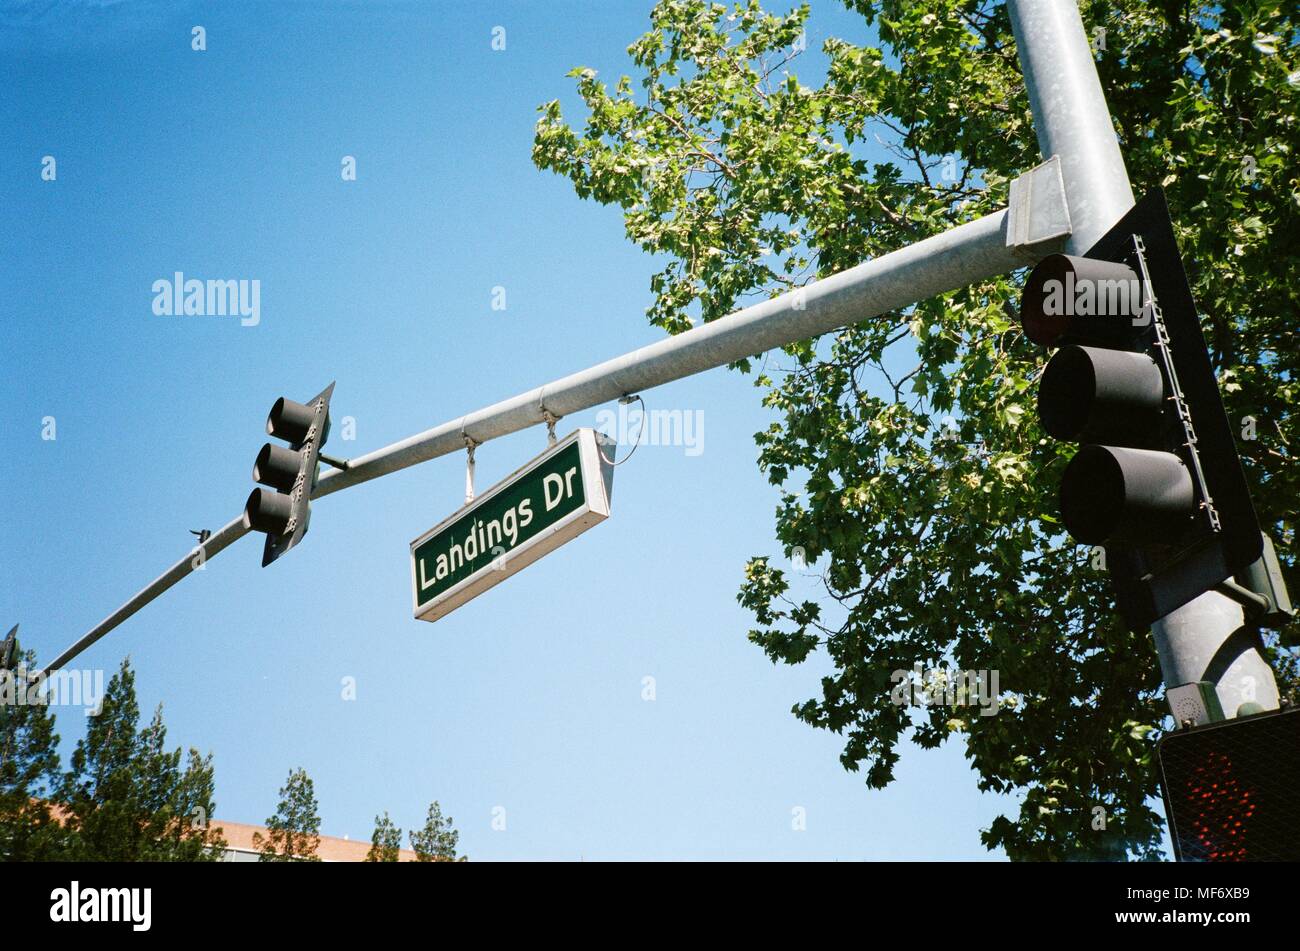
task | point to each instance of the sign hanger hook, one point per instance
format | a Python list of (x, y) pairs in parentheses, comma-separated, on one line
[(470, 446), (549, 417)]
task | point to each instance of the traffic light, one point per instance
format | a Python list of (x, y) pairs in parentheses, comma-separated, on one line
[(1232, 789), (283, 514), (9, 649), (1157, 480)]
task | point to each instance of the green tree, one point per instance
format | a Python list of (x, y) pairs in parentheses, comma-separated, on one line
[(181, 800), (29, 770), (385, 841), (914, 475), (295, 827), (128, 800), (436, 842)]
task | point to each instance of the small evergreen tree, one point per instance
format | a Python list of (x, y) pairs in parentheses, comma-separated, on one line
[(100, 789), (436, 842), (295, 827), (128, 799), (385, 842), (29, 770), (179, 801)]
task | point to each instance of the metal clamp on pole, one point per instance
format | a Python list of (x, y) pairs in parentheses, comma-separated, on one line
[(1256, 605), (1262, 591), (551, 420)]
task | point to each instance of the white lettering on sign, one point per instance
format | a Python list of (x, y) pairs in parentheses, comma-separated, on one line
[(554, 498), (563, 487)]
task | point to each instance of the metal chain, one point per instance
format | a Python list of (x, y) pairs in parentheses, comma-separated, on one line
[(1179, 400)]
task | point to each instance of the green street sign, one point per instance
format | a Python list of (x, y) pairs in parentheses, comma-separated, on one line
[(535, 510)]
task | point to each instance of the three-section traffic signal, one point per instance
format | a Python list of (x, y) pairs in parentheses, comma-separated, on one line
[(1157, 479), (283, 514)]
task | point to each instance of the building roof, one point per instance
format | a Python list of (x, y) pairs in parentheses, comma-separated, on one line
[(239, 838)]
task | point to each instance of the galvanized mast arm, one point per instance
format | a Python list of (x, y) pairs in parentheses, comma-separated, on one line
[(1035, 223), (219, 540)]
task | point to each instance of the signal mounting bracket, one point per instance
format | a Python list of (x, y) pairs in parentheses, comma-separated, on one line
[(1163, 346), (1151, 581)]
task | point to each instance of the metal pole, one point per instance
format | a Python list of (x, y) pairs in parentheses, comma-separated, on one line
[(1208, 640), (1034, 225), (988, 246), (198, 556), (1070, 115), (1205, 640)]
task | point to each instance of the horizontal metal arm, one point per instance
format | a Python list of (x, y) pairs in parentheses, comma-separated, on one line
[(1035, 224), (198, 556)]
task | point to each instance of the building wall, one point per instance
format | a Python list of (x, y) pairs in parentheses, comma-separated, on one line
[(240, 848)]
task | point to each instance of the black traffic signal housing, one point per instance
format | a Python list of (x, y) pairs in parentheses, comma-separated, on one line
[(1157, 479), (9, 649), (1232, 789), (283, 514)]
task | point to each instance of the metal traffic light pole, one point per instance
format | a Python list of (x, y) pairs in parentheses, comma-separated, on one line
[(1207, 639)]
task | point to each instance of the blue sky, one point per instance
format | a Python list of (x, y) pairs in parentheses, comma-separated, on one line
[(226, 164)]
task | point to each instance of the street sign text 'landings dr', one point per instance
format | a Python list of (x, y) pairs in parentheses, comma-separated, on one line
[(547, 502)]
